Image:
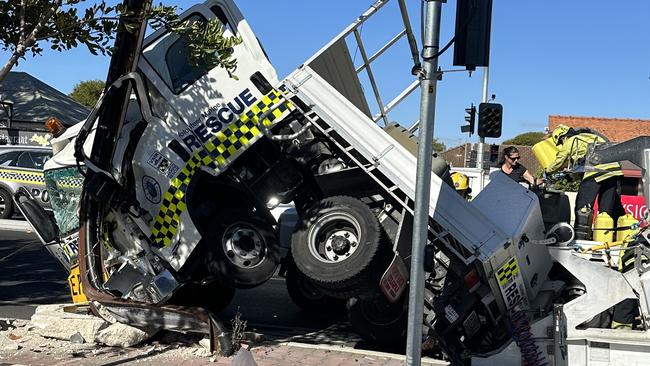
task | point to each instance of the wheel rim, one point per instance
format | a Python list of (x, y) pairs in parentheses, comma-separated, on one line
[(3, 205), (334, 237), (244, 246)]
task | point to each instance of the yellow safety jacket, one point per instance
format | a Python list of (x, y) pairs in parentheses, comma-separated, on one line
[(574, 149)]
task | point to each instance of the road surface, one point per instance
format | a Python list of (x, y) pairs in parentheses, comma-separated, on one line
[(29, 277)]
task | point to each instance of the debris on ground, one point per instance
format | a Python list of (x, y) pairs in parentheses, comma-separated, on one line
[(22, 342), (51, 321), (122, 335)]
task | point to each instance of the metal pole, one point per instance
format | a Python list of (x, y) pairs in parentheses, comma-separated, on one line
[(481, 140), (423, 179)]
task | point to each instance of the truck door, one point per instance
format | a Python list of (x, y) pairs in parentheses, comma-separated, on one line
[(207, 100)]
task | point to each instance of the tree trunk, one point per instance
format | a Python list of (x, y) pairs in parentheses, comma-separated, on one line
[(9, 65)]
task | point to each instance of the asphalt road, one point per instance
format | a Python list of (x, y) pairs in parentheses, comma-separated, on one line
[(32, 276), (29, 277)]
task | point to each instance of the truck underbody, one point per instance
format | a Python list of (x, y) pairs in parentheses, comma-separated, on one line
[(175, 213)]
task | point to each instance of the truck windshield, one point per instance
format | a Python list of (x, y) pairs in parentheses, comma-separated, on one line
[(64, 187), (170, 58)]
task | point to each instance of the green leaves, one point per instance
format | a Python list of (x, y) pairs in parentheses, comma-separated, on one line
[(87, 92), (526, 139), (66, 24), (209, 47)]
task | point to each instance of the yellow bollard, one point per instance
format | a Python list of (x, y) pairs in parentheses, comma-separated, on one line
[(604, 221)]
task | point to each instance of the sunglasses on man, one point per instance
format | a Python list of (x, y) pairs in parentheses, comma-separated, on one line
[(514, 158)]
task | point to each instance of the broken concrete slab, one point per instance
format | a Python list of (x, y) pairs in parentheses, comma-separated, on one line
[(51, 321), (122, 335)]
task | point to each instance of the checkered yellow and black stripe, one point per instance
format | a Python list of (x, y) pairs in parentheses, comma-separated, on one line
[(217, 153), (70, 182), (22, 176), (508, 271)]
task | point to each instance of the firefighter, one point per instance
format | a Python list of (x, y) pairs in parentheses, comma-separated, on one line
[(603, 181), (461, 184)]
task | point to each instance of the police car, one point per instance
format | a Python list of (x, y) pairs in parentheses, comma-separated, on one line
[(22, 166)]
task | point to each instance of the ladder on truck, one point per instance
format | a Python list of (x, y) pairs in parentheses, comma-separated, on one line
[(328, 83)]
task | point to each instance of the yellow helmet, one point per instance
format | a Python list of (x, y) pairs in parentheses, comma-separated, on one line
[(461, 182), (558, 132)]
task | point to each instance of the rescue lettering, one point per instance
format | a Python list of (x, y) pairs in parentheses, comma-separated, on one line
[(513, 297), (214, 119)]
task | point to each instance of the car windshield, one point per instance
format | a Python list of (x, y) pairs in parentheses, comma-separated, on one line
[(64, 187)]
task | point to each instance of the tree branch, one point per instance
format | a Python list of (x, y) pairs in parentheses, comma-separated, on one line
[(21, 36), (29, 40)]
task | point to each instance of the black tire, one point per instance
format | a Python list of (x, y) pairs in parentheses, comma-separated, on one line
[(378, 320), (340, 246), (214, 296), (243, 252), (308, 297), (6, 205)]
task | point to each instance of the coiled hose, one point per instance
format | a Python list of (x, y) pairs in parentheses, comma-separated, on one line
[(530, 352)]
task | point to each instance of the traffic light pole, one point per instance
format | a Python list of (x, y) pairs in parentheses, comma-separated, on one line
[(428, 81), (481, 140)]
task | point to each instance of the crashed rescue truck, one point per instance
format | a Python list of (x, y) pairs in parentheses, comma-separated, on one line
[(176, 172)]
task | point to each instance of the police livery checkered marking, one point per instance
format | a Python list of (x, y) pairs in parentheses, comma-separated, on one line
[(71, 182), (22, 176), (508, 272), (217, 153), (65, 178)]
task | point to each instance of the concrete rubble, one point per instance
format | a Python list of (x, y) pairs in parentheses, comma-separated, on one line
[(122, 335), (50, 321)]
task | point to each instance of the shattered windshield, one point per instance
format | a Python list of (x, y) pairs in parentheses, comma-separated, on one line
[(64, 186)]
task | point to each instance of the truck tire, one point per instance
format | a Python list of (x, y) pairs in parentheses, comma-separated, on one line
[(340, 246), (243, 252), (378, 320), (308, 297), (6, 205)]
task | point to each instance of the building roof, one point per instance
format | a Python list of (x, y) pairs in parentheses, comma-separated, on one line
[(35, 102), (616, 129)]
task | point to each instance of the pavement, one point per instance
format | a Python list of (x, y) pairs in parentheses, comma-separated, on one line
[(20, 344), (263, 355)]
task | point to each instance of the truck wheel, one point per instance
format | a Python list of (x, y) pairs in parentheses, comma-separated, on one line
[(309, 297), (378, 320), (243, 253), (6, 205), (339, 245)]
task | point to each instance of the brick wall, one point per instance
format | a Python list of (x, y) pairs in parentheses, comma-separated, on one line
[(616, 129)]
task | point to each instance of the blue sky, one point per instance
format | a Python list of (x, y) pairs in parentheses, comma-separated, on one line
[(584, 58)]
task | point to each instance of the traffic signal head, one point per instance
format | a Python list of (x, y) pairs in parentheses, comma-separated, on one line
[(490, 118), (494, 153), (469, 118)]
